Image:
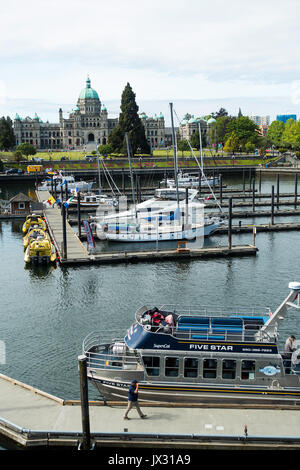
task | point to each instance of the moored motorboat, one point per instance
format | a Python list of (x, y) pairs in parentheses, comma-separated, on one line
[(190, 356), (92, 200), (187, 180), (60, 182), (34, 234), (39, 251), (33, 220)]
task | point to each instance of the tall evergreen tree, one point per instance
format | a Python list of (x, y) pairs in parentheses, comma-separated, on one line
[(7, 136), (130, 122)]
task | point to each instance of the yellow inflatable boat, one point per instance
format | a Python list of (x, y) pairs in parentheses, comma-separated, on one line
[(33, 220), (34, 234), (40, 250)]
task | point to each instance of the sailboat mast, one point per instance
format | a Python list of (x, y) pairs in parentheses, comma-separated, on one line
[(175, 153), (200, 144), (99, 176), (130, 170)]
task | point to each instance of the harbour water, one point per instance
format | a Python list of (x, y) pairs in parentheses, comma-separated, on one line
[(46, 312)]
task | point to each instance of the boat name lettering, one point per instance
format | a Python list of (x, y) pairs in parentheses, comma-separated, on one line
[(211, 347), (166, 346)]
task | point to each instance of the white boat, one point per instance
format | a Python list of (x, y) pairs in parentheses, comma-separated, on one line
[(158, 219), (91, 200), (61, 181), (199, 354), (186, 180)]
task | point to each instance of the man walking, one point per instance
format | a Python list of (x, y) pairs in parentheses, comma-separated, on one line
[(133, 400)]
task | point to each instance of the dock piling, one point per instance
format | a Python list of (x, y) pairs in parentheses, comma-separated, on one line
[(85, 418), (230, 224), (272, 206), (78, 214), (296, 189), (64, 244)]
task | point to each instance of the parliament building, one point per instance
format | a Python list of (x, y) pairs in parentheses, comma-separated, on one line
[(88, 125)]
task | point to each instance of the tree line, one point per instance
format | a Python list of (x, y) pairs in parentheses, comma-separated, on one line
[(230, 133)]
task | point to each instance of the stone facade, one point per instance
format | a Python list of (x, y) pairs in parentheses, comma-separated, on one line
[(87, 124), (154, 130)]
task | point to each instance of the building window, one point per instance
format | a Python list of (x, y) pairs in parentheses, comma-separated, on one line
[(248, 370), (228, 369), (172, 367), (21, 205), (152, 365), (210, 368), (190, 367)]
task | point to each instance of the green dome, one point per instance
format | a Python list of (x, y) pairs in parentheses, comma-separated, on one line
[(88, 92), (211, 121)]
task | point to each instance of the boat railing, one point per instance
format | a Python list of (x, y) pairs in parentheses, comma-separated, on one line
[(212, 311), (206, 323), (110, 354), (224, 335)]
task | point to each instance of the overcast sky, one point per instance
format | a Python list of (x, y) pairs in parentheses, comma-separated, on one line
[(200, 55)]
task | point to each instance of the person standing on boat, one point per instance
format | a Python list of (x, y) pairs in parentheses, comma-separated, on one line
[(290, 345), (133, 400), (289, 348)]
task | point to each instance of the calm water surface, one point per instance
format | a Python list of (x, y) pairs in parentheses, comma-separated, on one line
[(46, 312)]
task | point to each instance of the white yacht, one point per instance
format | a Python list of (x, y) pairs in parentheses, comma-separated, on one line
[(186, 180), (60, 181)]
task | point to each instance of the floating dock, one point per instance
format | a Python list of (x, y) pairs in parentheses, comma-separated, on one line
[(33, 419), (77, 254)]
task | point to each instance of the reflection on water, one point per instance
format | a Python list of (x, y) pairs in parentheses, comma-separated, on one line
[(46, 312)]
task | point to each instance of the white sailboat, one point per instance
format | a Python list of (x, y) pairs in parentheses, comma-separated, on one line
[(159, 218)]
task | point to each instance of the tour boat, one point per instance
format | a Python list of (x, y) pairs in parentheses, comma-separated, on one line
[(193, 355), (59, 184), (40, 250), (33, 220)]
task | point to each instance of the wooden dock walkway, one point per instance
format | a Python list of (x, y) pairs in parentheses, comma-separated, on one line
[(75, 248), (31, 418)]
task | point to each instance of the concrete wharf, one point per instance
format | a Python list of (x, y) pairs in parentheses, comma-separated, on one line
[(33, 419)]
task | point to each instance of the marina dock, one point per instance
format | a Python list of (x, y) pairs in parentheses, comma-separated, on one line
[(77, 254), (31, 418)]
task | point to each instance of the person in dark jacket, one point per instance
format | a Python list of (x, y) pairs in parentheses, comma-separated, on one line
[(133, 396)]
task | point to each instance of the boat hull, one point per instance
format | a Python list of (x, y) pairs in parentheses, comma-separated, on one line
[(208, 230), (197, 393)]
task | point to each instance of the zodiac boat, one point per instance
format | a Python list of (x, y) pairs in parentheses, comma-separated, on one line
[(33, 234), (33, 220), (190, 356), (40, 250)]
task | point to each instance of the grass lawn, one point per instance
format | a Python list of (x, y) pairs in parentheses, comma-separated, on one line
[(160, 159)]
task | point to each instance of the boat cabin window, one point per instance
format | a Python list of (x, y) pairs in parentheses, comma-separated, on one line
[(171, 366), (209, 368), (228, 369), (248, 370), (152, 365), (190, 367)]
